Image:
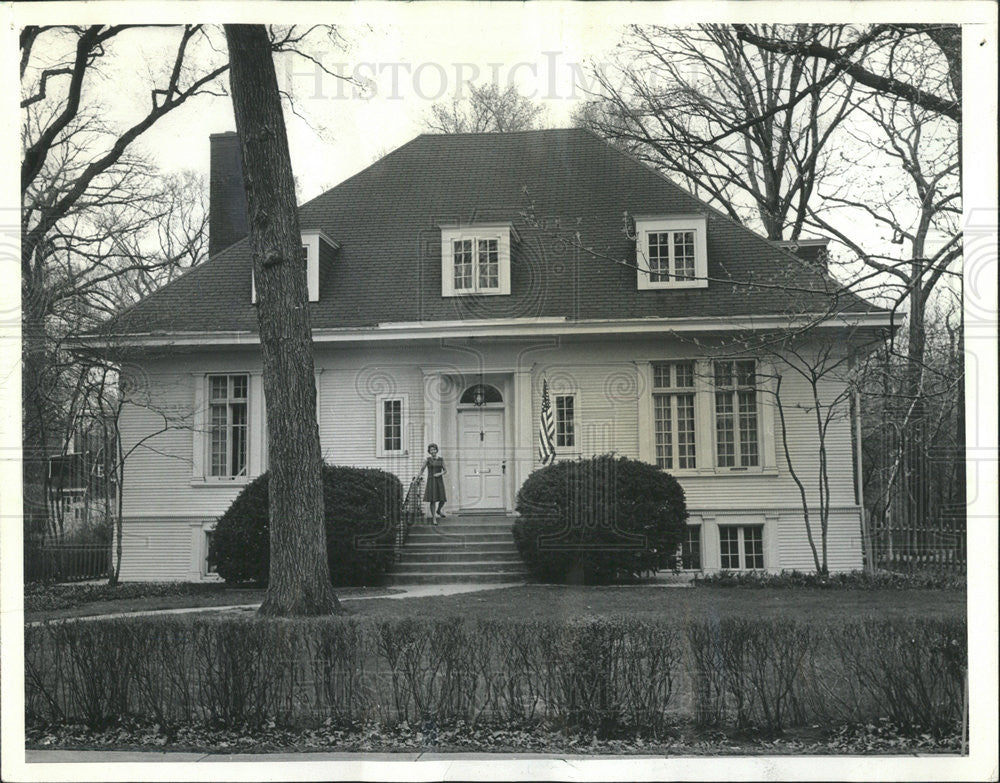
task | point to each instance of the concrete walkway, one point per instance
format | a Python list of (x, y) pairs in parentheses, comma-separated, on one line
[(414, 591), (411, 591)]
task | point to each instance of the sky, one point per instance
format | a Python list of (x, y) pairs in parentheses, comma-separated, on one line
[(399, 67)]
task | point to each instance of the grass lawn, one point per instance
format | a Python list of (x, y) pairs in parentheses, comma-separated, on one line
[(62, 601), (541, 601), (528, 602)]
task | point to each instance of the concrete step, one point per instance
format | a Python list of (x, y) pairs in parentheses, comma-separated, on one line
[(431, 559), (458, 538), (461, 526), (460, 567), (447, 545), (477, 548), (444, 578)]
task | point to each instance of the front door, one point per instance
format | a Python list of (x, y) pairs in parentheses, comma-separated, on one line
[(481, 457)]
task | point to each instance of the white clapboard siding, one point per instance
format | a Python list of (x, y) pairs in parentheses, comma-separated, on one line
[(844, 551), (162, 550), (349, 400), (167, 503)]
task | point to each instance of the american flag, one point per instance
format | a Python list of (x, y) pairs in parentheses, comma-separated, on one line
[(546, 429)]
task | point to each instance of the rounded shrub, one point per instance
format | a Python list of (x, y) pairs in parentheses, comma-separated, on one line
[(362, 514), (599, 520)]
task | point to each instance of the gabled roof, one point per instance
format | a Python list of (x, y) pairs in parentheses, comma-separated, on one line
[(550, 184)]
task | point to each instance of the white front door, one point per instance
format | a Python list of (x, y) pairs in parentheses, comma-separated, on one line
[(481, 457)]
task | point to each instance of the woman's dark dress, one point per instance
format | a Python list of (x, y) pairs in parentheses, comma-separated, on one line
[(434, 492)]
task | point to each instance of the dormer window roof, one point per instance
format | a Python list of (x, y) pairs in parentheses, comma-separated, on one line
[(671, 251), (475, 259), (318, 250)]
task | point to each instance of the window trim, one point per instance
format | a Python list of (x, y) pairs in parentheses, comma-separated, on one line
[(646, 225), (501, 232), (208, 567), (733, 391), (741, 548), (570, 447), (700, 528), (199, 418), (704, 411), (674, 391), (229, 478), (404, 414)]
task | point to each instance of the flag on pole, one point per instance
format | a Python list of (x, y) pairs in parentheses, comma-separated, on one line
[(546, 429)]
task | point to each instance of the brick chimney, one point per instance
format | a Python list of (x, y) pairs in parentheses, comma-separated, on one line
[(227, 216)]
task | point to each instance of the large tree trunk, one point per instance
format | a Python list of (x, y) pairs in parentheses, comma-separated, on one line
[(299, 576)]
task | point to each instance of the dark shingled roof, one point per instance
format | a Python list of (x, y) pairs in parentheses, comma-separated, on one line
[(549, 183)]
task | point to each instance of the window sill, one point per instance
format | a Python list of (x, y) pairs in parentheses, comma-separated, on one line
[(668, 286), (475, 293), (721, 472), (220, 482)]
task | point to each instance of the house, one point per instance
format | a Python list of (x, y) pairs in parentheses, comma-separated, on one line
[(447, 283)]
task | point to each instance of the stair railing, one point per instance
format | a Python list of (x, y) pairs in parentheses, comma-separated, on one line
[(412, 512)]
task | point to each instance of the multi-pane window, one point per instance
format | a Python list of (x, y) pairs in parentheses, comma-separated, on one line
[(736, 420), (565, 421), (392, 425), (489, 264), (691, 549), (228, 425), (211, 566), (476, 264), (673, 415), (741, 547), (671, 256), (462, 263)]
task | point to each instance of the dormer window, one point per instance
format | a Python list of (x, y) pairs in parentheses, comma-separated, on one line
[(317, 250), (671, 252), (475, 259)]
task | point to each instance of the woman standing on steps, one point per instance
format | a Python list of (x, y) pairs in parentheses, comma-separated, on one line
[(434, 493)]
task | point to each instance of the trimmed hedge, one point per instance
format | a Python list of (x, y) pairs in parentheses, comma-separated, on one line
[(363, 512), (613, 676), (849, 580), (598, 520)]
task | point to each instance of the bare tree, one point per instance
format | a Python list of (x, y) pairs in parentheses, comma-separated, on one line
[(299, 581), (133, 231), (901, 471), (73, 165), (99, 226), (906, 186), (704, 105), (745, 129), (488, 109), (871, 57)]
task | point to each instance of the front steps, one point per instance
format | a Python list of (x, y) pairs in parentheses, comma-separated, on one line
[(476, 548)]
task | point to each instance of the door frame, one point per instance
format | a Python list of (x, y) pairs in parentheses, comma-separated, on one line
[(489, 406)]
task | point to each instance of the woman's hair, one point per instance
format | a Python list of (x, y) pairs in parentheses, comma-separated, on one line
[(432, 446)]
